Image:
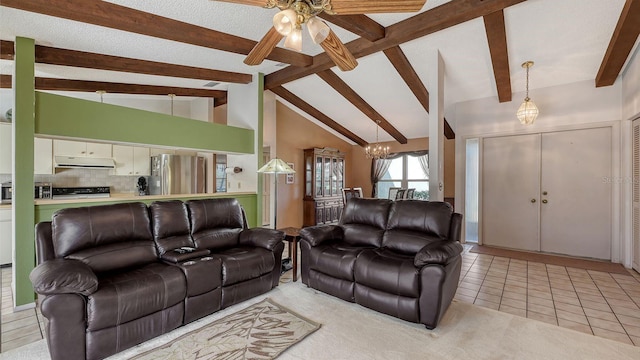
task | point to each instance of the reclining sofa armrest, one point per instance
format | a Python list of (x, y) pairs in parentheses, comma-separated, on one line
[(455, 228), (63, 276), (316, 235), (179, 255), (440, 252), (261, 237)]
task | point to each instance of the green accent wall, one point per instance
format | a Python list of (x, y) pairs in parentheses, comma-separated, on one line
[(260, 81), (23, 130), (248, 202), (77, 118)]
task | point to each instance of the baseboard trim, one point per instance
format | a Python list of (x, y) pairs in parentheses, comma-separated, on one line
[(24, 307)]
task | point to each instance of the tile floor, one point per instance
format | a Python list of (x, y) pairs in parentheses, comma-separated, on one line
[(598, 303), (594, 302)]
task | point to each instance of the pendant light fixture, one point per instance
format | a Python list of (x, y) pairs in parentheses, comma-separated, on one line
[(101, 93), (528, 111), (377, 151)]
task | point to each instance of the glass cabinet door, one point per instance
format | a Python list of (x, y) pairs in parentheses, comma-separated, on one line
[(319, 176), (308, 168), (334, 177), (326, 176)]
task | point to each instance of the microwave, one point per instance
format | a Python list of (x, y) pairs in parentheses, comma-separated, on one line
[(42, 190)]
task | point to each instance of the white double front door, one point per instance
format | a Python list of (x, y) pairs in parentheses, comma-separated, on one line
[(549, 192)]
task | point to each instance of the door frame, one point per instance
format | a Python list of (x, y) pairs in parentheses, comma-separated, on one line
[(620, 251)]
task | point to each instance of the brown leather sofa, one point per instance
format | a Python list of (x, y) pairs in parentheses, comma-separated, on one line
[(110, 277), (401, 258)]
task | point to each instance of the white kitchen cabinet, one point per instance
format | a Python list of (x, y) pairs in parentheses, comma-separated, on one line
[(6, 246), (81, 148), (131, 160), (43, 156), (5, 149), (158, 151)]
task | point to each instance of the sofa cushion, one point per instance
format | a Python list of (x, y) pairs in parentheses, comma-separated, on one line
[(385, 270), (364, 221), (116, 256), (92, 227), (129, 295), (215, 223), (335, 259), (244, 263), (170, 225), (414, 224)]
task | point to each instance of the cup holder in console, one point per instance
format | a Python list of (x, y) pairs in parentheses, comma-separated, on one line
[(206, 258), (189, 263)]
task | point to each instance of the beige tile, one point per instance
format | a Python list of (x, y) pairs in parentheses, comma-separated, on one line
[(595, 305), (473, 280), (621, 337), (518, 304), (615, 295), (491, 290), (495, 279), (624, 303), (565, 293), (628, 320), (540, 294), (493, 284), (605, 324), (487, 304), (574, 326), (464, 298), (489, 297), (540, 309), (515, 289), (466, 292), (514, 295), (17, 316), (636, 340), (468, 285), (598, 314), (19, 323), (569, 308), (620, 310), (542, 317), (14, 334), (632, 330), (561, 284), (599, 275), (513, 310), (561, 314), (592, 298), (540, 301)]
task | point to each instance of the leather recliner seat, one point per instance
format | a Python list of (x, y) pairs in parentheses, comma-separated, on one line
[(401, 258), (111, 277)]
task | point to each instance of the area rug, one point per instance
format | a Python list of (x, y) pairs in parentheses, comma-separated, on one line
[(595, 265), (260, 331)]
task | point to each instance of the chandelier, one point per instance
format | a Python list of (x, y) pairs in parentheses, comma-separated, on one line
[(528, 111), (377, 151)]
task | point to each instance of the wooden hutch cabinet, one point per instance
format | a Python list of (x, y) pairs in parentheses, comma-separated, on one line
[(323, 183)]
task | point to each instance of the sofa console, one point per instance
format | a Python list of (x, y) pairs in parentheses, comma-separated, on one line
[(401, 258), (111, 277)]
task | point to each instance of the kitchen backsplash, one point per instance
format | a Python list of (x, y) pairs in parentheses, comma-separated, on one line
[(90, 177)]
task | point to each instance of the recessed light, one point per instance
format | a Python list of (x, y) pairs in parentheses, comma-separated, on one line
[(281, 64), (211, 84)]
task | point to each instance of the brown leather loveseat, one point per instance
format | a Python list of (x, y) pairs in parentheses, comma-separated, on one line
[(401, 258), (110, 277)]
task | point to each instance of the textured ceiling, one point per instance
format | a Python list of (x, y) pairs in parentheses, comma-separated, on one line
[(567, 40)]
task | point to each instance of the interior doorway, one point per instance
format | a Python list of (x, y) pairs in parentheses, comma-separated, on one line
[(266, 191), (636, 195)]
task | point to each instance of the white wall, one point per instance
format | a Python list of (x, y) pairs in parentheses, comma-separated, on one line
[(631, 86), (243, 110), (577, 105)]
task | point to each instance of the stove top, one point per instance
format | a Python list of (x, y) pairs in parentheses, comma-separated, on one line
[(81, 192)]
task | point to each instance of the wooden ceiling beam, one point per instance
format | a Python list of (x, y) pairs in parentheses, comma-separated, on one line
[(5, 82), (497, 38), (439, 18), (64, 57), (307, 108), (115, 88), (399, 61), (345, 90), (220, 101), (118, 17), (624, 37), (360, 25)]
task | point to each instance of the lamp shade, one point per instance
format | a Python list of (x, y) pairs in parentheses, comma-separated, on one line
[(318, 30), (294, 40), (527, 112), (276, 166), (285, 21)]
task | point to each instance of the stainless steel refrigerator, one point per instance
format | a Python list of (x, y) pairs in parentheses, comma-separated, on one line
[(177, 174)]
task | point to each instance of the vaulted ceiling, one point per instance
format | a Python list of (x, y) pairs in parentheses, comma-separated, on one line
[(172, 46)]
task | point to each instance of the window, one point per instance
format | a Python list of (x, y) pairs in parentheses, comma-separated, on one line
[(472, 190), (405, 171)]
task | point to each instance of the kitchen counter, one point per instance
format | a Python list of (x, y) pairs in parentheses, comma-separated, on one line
[(5, 206), (117, 197)]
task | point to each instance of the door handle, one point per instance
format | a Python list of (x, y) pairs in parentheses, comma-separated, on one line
[(533, 200), (544, 201)]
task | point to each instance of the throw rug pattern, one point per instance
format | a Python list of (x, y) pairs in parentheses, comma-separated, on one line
[(261, 331)]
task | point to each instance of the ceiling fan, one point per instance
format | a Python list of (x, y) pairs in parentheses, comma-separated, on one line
[(294, 13)]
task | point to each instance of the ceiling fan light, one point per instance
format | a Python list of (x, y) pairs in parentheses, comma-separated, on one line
[(294, 40), (285, 21), (318, 30)]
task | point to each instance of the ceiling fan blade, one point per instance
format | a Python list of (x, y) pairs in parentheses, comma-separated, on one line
[(352, 7), (261, 3), (264, 47), (339, 53)]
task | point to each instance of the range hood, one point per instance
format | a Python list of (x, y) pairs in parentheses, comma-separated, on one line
[(71, 162)]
